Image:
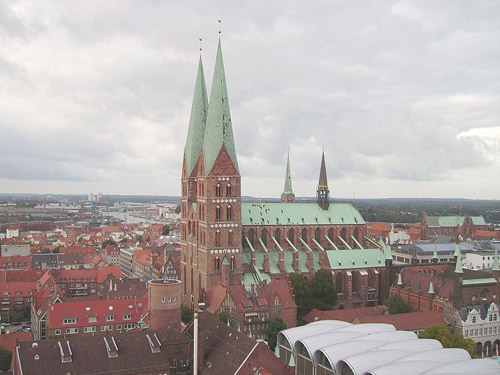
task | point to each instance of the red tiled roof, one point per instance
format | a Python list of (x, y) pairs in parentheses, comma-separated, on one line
[(20, 275), (381, 227), (26, 289), (216, 297), (100, 308), (9, 341), (347, 315), (411, 321)]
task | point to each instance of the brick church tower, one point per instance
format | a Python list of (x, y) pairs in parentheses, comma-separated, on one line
[(211, 193)]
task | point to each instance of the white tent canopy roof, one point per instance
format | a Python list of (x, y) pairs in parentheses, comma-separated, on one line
[(473, 366)]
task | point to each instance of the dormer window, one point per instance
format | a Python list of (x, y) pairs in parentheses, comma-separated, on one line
[(474, 319)]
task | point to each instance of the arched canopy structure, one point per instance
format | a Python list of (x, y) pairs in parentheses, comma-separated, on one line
[(439, 355), (360, 363), (472, 366), (407, 368)]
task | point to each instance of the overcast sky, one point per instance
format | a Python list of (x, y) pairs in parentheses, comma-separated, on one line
[(95, 96)]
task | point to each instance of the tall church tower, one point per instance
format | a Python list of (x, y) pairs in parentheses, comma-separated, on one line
[(288, 196), (322, 194), (211, 195)]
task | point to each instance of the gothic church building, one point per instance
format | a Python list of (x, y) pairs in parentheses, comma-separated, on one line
[(229, 243)]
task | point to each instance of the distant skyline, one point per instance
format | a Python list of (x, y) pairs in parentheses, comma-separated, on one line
[(404, 95)]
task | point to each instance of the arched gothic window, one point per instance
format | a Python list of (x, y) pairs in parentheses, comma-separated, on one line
[(304, 234), (233, 262), (317, 235), (263, 236), (291, 235), (230, 238), (229, 213), (277, 235), (218, 190), (216, 263), (218, 215), (229, 190), (217, 238)]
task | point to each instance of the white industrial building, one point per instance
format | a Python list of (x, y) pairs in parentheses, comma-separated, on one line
[(331, 347)]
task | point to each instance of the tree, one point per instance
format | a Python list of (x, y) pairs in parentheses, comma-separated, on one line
[(449, 339), (178, 209), (396, 305), (165, 231), (108, 242), (5, 359), (45, 251), (223, 317), (57, 250), (276, 326), (323, 292), (302, 293), (186, 314)]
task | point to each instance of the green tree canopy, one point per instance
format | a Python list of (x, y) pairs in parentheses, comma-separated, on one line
[(323, 292), (302, 293), (396, 305), (276, 326), (178, 209), (186, 314), (108, 242), (223, 317), (449, 339), (5, 359), (165, 230)]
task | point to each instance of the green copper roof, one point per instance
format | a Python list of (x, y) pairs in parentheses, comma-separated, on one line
[(299, 214), (225, 262), (273, 263), (435, 254), (452, 221), (347, 259), (486, 280), (400, 280), (288, 177), (457, 252), (431, 288), (387, 252), (302, 257), (197, 122), (496, 266), (458, 265), (219, 131), (288, 255)]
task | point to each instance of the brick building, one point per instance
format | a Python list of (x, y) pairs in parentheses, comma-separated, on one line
[(227, 242), (163, 351), (455, 226)]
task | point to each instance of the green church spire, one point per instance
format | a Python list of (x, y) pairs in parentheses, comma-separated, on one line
[(197, 122), (288, 195), (288, 176), (322, 194), (219, 130)]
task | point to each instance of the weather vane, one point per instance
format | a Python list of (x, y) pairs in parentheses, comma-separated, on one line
[(200, 44), (220, 21)]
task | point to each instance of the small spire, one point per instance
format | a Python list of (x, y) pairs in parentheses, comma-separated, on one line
[(291, 363), (435, 254), (457, 250), (431, 288), (288, 196), (400, 279), (496, 266), (322, 194)]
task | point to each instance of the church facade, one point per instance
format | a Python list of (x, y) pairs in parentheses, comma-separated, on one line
[(229, 243)]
